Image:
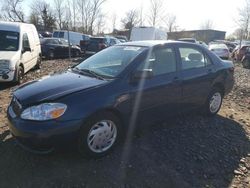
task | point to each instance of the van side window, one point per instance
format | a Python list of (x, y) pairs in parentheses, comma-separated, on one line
[(26, 43), (61, 35)]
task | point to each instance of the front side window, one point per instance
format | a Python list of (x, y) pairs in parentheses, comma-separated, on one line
[(61, 35), (26, 43), (111, 61), (192, 58), (161, 61), (9, 41)]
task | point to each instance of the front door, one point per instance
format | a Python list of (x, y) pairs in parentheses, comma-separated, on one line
[(26, 54)]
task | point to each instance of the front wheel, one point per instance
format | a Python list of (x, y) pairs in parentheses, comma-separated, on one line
[(99, 135), (20, 75), (214, 101)]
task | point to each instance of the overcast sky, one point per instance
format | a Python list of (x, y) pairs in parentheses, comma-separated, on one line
[(190, 13)]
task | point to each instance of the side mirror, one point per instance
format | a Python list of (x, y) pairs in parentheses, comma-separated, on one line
[(142, 75), (26, 49)]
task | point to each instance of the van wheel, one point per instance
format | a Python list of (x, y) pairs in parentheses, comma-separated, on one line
[(99, 135), (51, 54), (20, 75), (38, 64), (214, 102)]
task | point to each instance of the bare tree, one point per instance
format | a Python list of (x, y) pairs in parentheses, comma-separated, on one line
[(114, 19), (156, 11), (12, 11), (244, 19), (171, 23), (131, 19), (207, 24), (59, 11), (100, 23)]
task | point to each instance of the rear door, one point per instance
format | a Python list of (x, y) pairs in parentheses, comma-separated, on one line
[(160, 95), (197, 73)]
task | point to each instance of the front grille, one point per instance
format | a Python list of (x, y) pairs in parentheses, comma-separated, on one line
[(16, 106)]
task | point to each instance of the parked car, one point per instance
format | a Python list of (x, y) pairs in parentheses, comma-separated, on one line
[(94, 104), (246, 58), (122, 38), (96, 44), (220, 50), (192, 40), (73, 37), (58, 48), (239, 52), (20, 50)]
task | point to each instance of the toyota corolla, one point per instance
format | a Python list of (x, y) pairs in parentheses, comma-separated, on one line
[(92, 105)]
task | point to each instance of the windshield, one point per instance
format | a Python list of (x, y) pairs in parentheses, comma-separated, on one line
[(9, 40), (112, 61)]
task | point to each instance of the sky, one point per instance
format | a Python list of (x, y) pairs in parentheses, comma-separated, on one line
[(190, 14)]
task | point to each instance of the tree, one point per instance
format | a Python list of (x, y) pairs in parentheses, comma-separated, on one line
[(89, 11), (59, 10), (34, 19), (12, 11), (48, 20), (155, 13), (244, 19), (114, 19), (207, 24), (171, 23), (131, 19)]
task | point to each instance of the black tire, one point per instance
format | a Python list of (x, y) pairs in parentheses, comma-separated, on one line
[(89, 125), (211, 111), (246, 63), (51, 55), (20, 75), (77, 53), (38, 64)]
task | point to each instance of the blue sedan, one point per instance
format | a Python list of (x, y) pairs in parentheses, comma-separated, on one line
[(94, 104)]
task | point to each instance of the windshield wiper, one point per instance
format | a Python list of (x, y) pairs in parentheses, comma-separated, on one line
[(89, 72)]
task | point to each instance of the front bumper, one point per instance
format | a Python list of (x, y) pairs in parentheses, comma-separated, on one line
[(41, 137), (9, 73)]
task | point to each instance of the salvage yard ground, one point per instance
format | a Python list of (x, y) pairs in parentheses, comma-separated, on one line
[(185, 151)]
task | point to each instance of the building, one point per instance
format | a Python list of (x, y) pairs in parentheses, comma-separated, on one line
[(201, 35)]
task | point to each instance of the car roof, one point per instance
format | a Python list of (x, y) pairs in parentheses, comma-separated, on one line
[(151, 43)]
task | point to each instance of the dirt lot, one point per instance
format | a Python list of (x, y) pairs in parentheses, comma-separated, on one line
[(185, 151)]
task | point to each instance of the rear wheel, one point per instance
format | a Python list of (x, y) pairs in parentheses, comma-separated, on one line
[(246, 63), (38, 64), (99, 135), (77, 53), (51, 54), (214, 101)]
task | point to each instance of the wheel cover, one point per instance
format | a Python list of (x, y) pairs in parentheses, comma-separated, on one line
[(102, 136), (215, 102), (51, 54)]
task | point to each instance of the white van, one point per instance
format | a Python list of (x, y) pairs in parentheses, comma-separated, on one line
[(20, 50), (73, 37), (147, 33)]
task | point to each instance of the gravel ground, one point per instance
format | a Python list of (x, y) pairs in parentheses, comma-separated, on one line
[(185, 151)]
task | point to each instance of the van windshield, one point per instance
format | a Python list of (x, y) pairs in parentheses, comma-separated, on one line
[(9, 40)]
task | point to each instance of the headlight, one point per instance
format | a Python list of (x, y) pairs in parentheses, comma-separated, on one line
[(43, 112), (4, 64)]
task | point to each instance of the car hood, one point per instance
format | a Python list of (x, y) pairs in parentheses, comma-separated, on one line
[(52, 87)]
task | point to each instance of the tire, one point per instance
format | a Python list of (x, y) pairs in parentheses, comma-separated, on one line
[(20, 75), (38, 64), (51, 55), (102, 126), (214, 102), (245, 63), (77, 53)]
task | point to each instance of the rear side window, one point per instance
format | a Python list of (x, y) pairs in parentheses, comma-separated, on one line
[(192, 58), (26, 43), (161, 61), (61, 35), (55, 34)]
